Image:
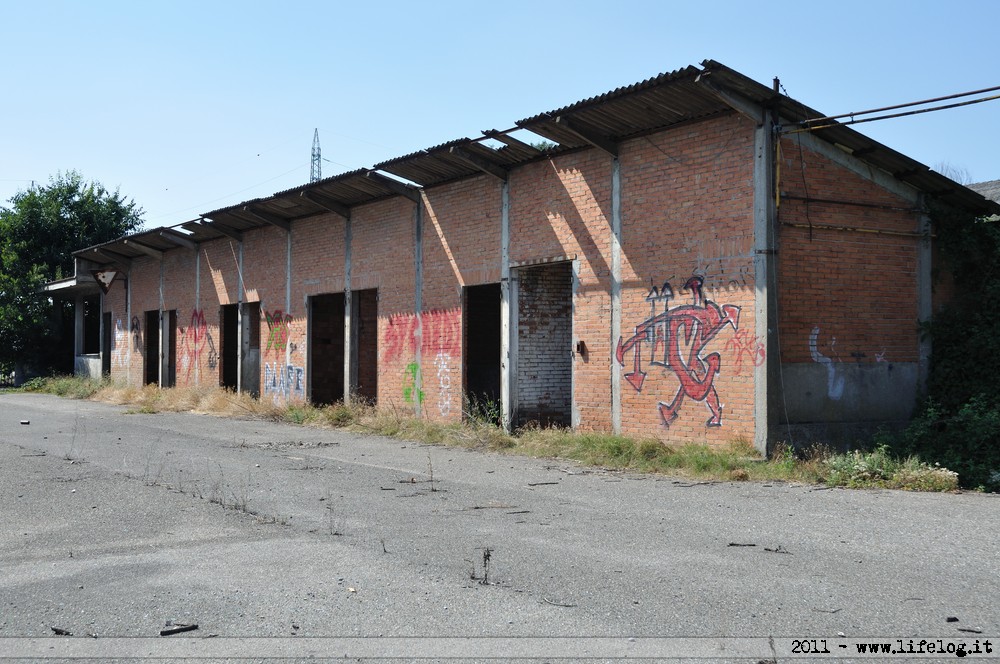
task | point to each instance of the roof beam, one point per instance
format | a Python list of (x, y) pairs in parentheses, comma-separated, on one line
[(108, 256), (736, 102), (328, 203), (395, 186), (598, 141), (482, 164), (178, 238), (283, 224), (145, 248), (511, 141), (225, 230)]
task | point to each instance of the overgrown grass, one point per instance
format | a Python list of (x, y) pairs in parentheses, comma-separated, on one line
[(736, 461)]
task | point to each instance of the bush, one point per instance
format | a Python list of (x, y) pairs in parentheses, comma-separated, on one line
[(881, 468), (967, 441)]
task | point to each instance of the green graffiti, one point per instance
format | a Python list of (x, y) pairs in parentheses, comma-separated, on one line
[(410, 389)]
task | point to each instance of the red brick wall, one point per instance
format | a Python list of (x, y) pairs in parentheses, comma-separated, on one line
[(219, 286), (145, 285), (461, 247), (857, 289), (561, 207), (318, 267), (121, 341), (282, 328), (179, 288), (688, 345), (382, 257), (687, 199), (545, 339)]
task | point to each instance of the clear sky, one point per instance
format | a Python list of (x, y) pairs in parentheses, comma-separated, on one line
[(187, 107)]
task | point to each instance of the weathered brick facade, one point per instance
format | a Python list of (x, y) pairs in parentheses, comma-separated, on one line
[(693, 278)]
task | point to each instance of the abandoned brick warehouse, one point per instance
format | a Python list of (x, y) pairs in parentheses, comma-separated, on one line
[(690, 260)]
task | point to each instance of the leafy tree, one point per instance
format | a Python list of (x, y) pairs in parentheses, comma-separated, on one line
[(38, 233)]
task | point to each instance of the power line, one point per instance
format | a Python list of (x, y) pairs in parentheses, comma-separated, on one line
[(831, 120)]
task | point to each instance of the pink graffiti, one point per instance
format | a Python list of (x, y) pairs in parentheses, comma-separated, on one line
[(747, 347), (441, 332), (193, 341), (277, 330), (696, 324)]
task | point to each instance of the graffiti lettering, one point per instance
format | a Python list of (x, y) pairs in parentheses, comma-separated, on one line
[(193, 341), (136, 331), (693, 325), (213, 355), (834, 379), (277, 328), (443, 364), (412, 393), (284, 381), (440, 330), (747, 347)]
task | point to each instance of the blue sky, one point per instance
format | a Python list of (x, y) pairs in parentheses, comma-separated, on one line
[(192, 106)]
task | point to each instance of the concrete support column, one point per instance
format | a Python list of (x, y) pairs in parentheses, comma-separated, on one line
[(418, 287), (350, 365), (616, 292), (767, 384), (164, 338), (288, 295), (242, 340), (128, 324), (506, 311), (197, 306)]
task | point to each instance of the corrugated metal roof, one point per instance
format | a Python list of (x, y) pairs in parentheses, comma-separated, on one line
[(684, 95), (650, 105), (460, 158)]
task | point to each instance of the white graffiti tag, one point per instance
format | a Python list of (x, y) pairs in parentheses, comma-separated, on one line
[(834, 378), (443, 364)]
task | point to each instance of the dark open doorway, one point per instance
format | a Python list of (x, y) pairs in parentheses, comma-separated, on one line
[(106, 333), (481, 344), (229, 346), (170, 352), (326, 348), (364, 321), (151, 358)]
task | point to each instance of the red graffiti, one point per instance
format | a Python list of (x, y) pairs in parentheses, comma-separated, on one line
[(695, 324), (747, 347), (440, 330), (193, 340), (277, 330)]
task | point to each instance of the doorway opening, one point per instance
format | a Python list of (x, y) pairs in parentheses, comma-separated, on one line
[(229, 346), (151, 358), (481, 351), (545, 345), (326, 348)]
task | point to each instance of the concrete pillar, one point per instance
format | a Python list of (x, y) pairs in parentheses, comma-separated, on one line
[(350, 341), (616, 292), (418, 287), (506, 311), (767, 382)]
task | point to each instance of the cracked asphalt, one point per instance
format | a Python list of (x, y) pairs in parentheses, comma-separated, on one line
[(118, 525)]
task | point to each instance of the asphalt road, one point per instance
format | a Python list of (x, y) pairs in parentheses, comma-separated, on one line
[(121, 525)]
